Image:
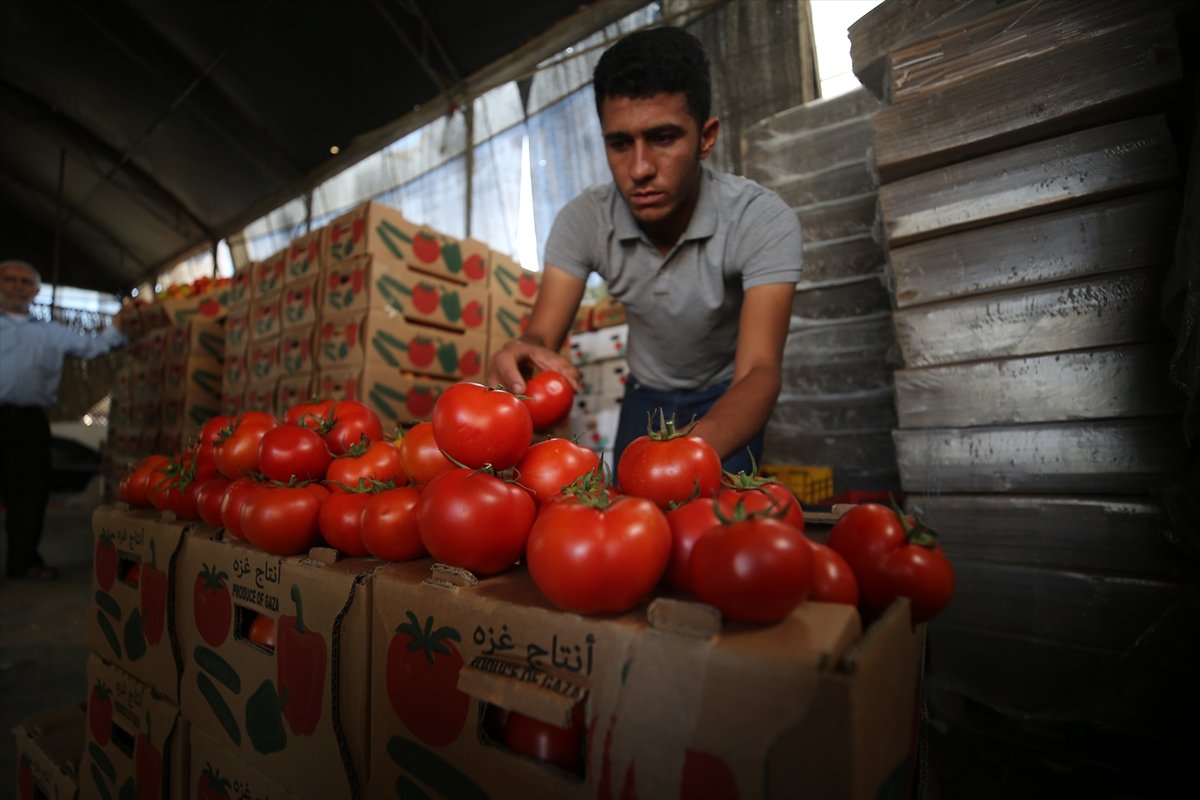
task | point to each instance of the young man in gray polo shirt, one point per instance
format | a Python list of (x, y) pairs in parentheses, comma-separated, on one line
[(706, 264)]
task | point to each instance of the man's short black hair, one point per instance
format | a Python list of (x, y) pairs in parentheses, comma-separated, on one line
[(646, 63)]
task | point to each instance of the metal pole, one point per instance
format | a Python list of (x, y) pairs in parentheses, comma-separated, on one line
[(469, 110), (54, 269)]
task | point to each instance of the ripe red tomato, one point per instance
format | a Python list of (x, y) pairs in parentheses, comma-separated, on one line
[(669, 466), (548, 397), (474, 520), (282, 520), (206, 443), (688, 523), (309, 415), (892, 557), (833, 580), (348, 423), (340, 521), (231, 504), (209, 493), (262, 631), (754, 570), (562, 747), (758, 495), (236, 448), (181, 496), (390, 529), (477, 426), (289, 451), (595, 555), (134, 486), (423, 459), (159, 483), (550, 465), (378, 462), (422, 681)]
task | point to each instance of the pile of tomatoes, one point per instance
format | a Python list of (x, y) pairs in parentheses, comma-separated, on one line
[(471, 489)]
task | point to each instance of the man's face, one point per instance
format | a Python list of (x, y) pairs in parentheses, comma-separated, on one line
[(654, 149), (18, 287)]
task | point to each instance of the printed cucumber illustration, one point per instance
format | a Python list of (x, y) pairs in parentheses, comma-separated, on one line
[(219, 707)]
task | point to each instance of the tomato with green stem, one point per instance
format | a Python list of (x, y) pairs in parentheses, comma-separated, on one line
[(548, 396), (480, 427), (474, 520), (390, 529), (553, 464), (668, 465), (423, 459)]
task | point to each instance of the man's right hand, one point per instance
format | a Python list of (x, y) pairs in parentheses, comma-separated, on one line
[(507, 365)]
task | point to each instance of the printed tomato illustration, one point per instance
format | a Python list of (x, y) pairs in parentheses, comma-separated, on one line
[(422, 681), (147, 766), (106, 561), (212, 606), (211, 785), (470, 364), (474, 268), (425, 298), (300, 657), (426, 248), (209, 308), (153, 588), (527, 286), (472, 314), (420, 351), (100, 711), (706, 776), (356, 230), (419, 401)]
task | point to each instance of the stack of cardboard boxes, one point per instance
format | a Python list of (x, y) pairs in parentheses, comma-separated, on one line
[(384, 680), (597, 347)]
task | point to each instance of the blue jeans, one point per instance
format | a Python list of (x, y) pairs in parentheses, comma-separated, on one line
[(684, 404)]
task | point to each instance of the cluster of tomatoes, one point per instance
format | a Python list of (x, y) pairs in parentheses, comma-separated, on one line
[(470, 489)]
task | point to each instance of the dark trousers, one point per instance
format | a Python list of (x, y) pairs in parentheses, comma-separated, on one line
[(25, 480), (641, 400)]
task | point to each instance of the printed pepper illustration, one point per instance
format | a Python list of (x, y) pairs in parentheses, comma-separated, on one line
[(100, 711), (300, 658), (106, 561), (153, 586), (212, 606), (422, 681), (147, 766)]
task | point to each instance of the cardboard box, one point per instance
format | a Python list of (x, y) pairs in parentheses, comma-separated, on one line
[(296, 352), (135, 744), (259, 396), (266, 319), (508, 318), (397, 398), (298, 713), (232, 404), (583, 318), (237, 329), (200, 337), (613, 375), (300, 305), (269, 274), (292, 389), (132, 623), (198, 410), (378, 230), (233, 375), (363, 283), (200, 378), (304, 257), (49, 744), (150, 349), (170, 414), (512, 281), (675, 703), (218, 772), (594, 419), (212, 305), (382, 336), (241, 286), (608, 313), (598, 345), (262, 360)]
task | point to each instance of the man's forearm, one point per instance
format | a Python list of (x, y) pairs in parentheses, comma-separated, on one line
[(741, 412)]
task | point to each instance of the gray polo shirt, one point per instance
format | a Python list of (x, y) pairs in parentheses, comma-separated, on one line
[(683, 307)]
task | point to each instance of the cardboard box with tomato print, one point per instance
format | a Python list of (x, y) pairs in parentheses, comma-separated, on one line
[(241, 287), (269, 274), (608, 313), (237, 330), (232, 404), (293, 388), (397, 398), (296, 353), (384, 337), (663, 701), (365, 282), (299, 305), (260, 396), (212, 305), (304, 257), (219, 773), (265, 317), (195, 339), (199, 377), (511, 281), (262, 360), (135, 743), (379, 230), (234, 375), (508, 319), (129, 623), (48, 748), (293, 705)]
